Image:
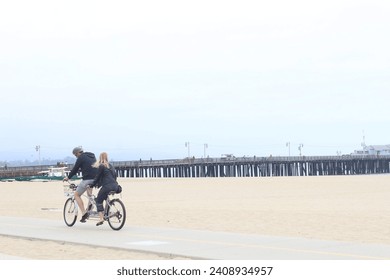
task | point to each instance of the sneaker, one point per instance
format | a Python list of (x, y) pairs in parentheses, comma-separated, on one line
[(100, 223), (84, 217)]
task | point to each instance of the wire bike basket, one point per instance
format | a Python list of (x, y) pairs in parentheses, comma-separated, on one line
[(69, 190)]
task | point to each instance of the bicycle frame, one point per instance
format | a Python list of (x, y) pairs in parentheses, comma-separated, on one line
[(70, 193)]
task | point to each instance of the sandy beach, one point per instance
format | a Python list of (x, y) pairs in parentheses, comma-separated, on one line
[(342, 208)]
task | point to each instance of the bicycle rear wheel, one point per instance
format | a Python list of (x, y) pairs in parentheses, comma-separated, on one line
[(116, 214), (70, 212)]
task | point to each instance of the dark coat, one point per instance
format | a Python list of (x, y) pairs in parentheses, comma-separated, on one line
[(106, 178), (84, 164)]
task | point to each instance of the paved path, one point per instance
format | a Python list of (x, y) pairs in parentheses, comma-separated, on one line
[(194, 244), (9, 257)]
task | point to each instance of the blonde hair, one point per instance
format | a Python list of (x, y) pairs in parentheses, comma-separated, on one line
[(103, 160)]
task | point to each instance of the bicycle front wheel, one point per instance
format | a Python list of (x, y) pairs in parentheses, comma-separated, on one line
[(116, 214), (70, 212)]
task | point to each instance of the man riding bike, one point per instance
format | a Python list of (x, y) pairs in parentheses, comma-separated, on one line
[(84, 163)]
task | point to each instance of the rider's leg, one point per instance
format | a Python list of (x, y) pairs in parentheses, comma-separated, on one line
[(89, 193), (101, 216), (80, 202), (81, 188), (102, 195)]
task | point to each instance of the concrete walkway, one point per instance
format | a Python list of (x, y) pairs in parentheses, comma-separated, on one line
[(9, 257), (193, 244)]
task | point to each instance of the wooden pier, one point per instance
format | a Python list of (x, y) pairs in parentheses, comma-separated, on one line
[(255, 167), (236, 167)]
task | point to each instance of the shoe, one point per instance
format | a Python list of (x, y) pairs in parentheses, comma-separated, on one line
[(84, 217), (100, 223)]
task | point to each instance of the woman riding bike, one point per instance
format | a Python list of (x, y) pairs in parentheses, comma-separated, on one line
[(106, 179)]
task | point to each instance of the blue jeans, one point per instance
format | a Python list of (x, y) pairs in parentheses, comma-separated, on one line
[(102, 196)]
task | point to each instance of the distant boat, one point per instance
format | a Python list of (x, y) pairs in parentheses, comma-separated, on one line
[(53, 173)]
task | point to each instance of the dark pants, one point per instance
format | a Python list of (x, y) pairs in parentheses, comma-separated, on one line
[(102, 196)]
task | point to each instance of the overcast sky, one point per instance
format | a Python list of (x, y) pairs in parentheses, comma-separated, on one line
[(139, 79)]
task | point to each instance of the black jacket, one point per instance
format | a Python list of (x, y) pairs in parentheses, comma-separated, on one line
[(106, 178), (84, 163)]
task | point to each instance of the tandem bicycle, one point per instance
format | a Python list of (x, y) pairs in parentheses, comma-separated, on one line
[(114, 209)]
